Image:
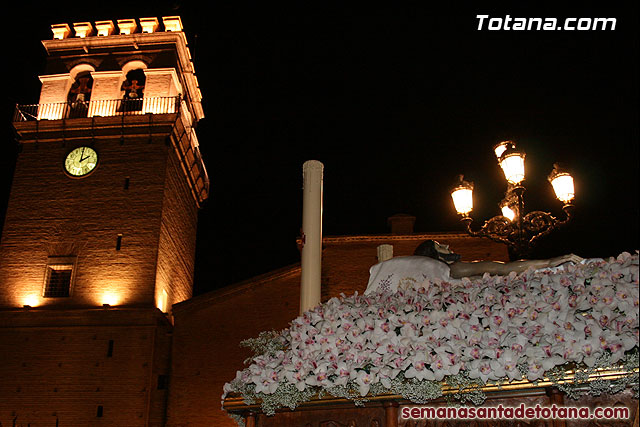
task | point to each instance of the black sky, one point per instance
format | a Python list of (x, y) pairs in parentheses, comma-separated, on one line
[(396, 102)]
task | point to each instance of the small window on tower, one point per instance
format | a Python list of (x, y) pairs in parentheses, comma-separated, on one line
[(163, 381), (59, 277)]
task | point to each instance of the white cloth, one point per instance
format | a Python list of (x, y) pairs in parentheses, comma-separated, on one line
[(405, 272)]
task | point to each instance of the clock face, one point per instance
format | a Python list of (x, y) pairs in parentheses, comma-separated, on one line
[(81, 161)]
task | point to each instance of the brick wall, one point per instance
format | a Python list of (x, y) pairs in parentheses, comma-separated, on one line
[(177, 241), (51, 214), (58, 364), (207, 333), (55, 89)]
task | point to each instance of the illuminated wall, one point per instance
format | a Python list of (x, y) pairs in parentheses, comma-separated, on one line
[(97, 352), (53, 215)]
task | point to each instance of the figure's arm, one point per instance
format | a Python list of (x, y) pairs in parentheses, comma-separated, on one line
[(478, 268)]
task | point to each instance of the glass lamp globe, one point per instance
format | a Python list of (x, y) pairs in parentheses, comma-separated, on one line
[(562, 184), (508, 212), (503, 146), (462, 196), (512, 164)]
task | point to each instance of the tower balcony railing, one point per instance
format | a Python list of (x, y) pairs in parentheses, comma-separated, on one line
[(97, 108), (27, 122)]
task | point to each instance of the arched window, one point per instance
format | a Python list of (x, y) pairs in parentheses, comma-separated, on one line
[(133, 88), (80, 95)]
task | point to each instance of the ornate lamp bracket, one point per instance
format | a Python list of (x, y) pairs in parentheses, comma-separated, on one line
[(518, 230)]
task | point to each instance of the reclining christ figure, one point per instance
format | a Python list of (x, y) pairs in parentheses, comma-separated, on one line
[(434, 261)]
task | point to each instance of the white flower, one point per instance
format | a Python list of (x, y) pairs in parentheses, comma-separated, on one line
[(266, 382), (418, 368), (535, 371), (509, 361), (364, 381), (297, 378), (343, 373)]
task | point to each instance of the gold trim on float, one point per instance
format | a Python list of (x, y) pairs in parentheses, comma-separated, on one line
[(235, 402)]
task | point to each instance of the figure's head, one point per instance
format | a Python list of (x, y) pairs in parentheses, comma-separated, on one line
[(435, 250)]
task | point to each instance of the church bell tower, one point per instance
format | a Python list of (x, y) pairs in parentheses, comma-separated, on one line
[(99, 236)]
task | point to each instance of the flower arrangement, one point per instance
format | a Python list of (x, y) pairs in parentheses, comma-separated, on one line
[(461, 333)]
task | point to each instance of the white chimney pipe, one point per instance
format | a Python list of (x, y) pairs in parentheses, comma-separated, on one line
[(312, 172)]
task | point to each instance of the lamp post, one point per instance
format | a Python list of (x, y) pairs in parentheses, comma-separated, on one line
[(516, 228)]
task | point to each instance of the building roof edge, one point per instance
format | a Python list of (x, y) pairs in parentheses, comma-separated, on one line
[(237, 288)]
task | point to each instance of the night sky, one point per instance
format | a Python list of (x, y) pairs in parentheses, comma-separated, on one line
[(396, 102)]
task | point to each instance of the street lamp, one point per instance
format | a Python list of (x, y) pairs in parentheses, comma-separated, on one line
[(515, 228)]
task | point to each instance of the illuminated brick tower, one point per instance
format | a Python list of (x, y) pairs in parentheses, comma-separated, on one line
[(99, 235)]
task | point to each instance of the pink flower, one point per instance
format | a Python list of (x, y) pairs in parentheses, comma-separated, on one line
[(497, 320), (535, 371), (604, 320), (474, 353), (480, 369)]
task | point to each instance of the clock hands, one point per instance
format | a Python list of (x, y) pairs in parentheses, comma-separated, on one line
[(82, 158)]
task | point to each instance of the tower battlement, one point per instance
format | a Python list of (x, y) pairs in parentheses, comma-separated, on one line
[(122, 26)]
